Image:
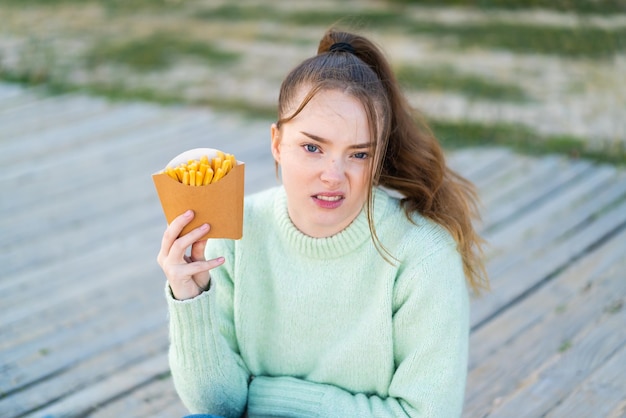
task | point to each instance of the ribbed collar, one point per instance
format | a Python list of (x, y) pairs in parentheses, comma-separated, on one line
[(337, 245)]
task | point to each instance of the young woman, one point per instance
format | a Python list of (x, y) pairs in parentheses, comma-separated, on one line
[(347, 295)]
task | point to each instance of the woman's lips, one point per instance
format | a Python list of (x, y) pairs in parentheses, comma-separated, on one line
[(328, 201)]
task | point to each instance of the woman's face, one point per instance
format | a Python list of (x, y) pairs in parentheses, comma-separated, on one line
[(325, 156)]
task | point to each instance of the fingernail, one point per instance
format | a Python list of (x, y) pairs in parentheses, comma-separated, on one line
[(188, 213), (204, 227)]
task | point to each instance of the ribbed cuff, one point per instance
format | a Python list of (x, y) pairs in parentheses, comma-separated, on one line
[(284, 396), (188, 327)]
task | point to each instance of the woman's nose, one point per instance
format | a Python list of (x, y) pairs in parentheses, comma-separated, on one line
[(333, 171)]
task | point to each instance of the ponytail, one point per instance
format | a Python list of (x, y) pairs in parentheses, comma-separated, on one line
[(408, 157)]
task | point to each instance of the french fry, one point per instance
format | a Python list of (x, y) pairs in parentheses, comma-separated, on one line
[(216, 163), (203, 168), (218, 175), (226, 166), (208, 177), (233, 160), (180, 171), (172, 173), (203, 171)]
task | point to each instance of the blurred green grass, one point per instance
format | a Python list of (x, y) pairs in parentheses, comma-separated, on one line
[(576, 6), (151, 50), (521, 139), (579, 41), (157, 51), (449, 79)]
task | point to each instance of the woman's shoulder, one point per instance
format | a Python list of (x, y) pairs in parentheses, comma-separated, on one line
[(414, 233)]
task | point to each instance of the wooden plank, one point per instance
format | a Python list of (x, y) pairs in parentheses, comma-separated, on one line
[(68, 300), (146, 150), (59, 288), (13, 105), (603, 394), (499, 216), (71, 306), (9, 91), (514, 283), (85, 401), (550, 212), (578, 358), (158, 399), (86, 373), (55, 141), (576, 279), (71, 212), (509, 367), (62, 323), (37, 117), (83, 368), (485, 165), (466, 159), (507, 171), (16, 99), (61, 354), (110, 158), (534, 171), (580, 211), (51, 275), (82, 236)]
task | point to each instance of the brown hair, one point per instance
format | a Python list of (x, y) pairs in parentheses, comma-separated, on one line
[(407, 157)]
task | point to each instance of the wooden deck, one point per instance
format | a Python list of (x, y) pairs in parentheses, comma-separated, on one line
[(83, 328)]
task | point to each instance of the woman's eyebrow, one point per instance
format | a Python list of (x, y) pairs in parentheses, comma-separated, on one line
[(326, 141)]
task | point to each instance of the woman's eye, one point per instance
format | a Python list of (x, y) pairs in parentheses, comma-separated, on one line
[(361, 155), (311, 148)]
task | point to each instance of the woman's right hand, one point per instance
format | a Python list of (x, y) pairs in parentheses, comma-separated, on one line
[(188, 276)]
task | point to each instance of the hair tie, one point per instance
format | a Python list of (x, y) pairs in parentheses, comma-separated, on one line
[(342, 47)]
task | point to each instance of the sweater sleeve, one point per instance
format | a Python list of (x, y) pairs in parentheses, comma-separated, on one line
[(431, 327), (208, 372)]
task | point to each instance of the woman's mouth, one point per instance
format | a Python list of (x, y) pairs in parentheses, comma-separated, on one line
[(328, 201)]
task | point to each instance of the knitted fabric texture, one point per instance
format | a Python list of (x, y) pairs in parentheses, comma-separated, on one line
[(325, 326)]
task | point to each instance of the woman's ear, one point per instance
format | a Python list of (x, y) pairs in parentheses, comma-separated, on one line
[(275, 132)]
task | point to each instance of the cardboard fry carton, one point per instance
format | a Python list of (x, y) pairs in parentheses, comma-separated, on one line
[(219, 204)]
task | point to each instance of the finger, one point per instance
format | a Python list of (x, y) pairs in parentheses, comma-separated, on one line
[(196, 269), (197, 250), (174, 229), (203, 281), (180, 245)]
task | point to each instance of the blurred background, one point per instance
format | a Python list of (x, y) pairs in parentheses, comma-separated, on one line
[(83, 328), (536, 75)]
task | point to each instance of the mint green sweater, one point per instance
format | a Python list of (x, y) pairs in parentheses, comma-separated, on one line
[(295, 326)]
